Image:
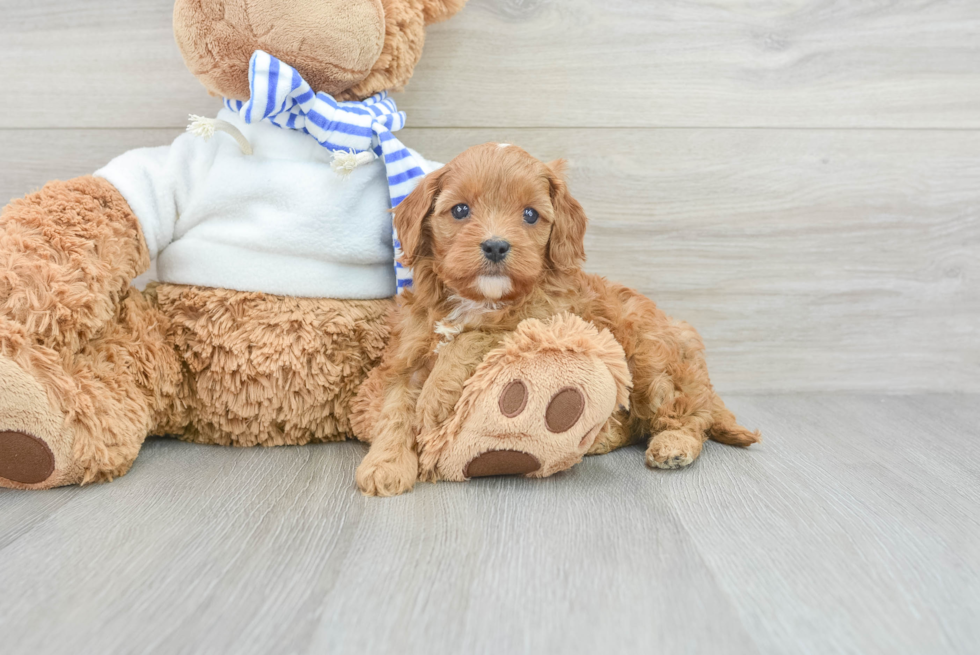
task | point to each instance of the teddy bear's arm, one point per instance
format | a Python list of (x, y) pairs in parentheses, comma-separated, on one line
[(159, 183)]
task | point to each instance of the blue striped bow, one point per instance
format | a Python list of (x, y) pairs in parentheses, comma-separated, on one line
[(280, 95)]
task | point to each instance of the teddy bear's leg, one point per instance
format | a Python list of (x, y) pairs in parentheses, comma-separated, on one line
[(80, 350)]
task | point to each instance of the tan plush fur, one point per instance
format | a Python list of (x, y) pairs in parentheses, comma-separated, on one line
[(672, 397), (267, 370), (67, 254), (350, 49), (94, 366)]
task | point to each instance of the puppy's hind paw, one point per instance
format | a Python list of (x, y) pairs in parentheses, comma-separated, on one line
[(673, 449), (670, 462)]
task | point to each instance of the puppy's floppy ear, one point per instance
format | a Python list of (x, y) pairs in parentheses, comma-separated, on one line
[(566, 247), (411, 215), (440, 10)]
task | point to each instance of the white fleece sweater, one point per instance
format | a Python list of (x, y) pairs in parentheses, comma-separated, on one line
[(279, 221)]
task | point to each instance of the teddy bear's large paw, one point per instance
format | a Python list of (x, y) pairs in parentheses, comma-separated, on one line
[(386, 473), (673, 449), (35, 450), (535, 404)]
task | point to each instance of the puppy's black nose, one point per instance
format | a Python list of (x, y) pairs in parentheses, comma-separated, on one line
[(495, 250)]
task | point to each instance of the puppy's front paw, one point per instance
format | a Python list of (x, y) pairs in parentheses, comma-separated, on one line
[(385, 475), (673, 449)]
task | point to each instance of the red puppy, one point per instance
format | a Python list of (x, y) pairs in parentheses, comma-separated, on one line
[(494, 238)]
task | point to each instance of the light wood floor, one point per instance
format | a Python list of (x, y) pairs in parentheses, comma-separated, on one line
[(854, 528)]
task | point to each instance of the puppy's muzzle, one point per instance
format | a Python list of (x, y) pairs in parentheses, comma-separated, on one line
[(495, 250)]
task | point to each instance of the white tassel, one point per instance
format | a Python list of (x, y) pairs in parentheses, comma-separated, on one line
[(205, 128), (201, 126), (463, 314), (448, 331), (345, 161)]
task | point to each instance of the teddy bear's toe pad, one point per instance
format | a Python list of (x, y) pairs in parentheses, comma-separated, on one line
[(25, 458), (564, 410), (501, 462), (513, 400)]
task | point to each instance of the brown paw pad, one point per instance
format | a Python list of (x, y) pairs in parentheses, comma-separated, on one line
[(564, 410), (24, 458), (513, 399), (501, 462)]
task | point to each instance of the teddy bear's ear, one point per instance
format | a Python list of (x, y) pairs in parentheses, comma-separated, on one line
[(440, 10)]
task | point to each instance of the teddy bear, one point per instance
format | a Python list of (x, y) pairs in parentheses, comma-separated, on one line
[(271, 229)]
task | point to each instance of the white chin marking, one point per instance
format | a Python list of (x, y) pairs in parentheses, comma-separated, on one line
[(494, 287), (503, 145)]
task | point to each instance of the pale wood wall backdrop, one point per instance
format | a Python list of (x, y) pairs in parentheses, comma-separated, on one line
[(800, 179)]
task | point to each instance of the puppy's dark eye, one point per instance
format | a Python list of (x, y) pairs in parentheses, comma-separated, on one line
[(461, 211), (530, 216)]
